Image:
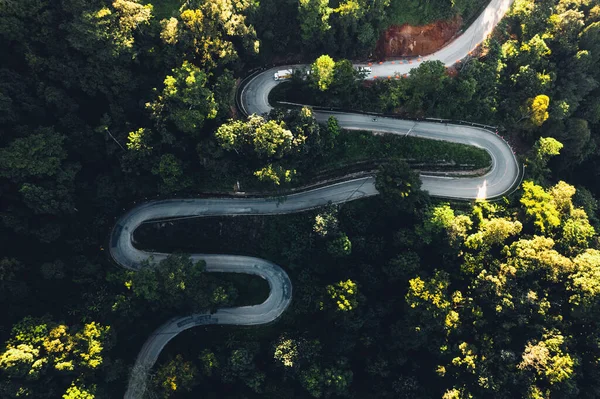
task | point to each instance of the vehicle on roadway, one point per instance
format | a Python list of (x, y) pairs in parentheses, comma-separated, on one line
[(283, 74)]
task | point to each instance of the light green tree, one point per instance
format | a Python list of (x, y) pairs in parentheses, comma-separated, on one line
[(441, 218), (322, 72), (585, 281), (548, 358), (265, 139), (119, 22), (138, 141), (88, 344), (272, 139), (543, 149), (432, 297), (233, 134), (286, 351), (207, 29), (493, 231), (40, 350), (577, 232), (456, 393), (79, 392), (185, 100), (535, 255), (537, 109), (131, 16), (546, 147), (169, 32), (539, 204), (344, 295), (275, 174), (326, 223)]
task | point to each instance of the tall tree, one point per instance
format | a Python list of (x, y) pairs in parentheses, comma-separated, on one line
[(185, 100), (208, 30), (313, 16), (322, 72), (263, 138), (537, 109), (541, 152)]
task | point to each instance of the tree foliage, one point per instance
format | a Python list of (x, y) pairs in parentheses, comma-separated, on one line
[(268, 139), (497, 300), (207, 30), (537, 109), (78, 392), (185, 101), (343, 294), (176, 282), (175, 376), (322, 72), (40, 350), (541, 152), (396, 183)]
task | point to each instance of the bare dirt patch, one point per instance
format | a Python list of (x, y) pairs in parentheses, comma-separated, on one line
[(406, 40)]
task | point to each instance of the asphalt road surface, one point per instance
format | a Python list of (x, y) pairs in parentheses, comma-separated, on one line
[(255, 94), (123, 251), (499, 180)]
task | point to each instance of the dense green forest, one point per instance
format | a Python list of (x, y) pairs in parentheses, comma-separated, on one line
[(107, 103)]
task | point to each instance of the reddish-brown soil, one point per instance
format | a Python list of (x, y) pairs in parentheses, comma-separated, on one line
[(407, 40)]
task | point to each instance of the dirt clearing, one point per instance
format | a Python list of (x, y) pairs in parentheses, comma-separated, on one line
[(406, 40)]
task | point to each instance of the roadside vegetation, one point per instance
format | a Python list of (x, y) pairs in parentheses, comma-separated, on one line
[(435, 296), (107, 102), (289, 148), (535, 77), (421, 13), (422, 153), (348, 29)]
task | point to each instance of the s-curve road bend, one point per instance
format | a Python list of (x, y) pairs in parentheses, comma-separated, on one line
[(502, 176), (125, 254), (504, 172), (255, 94)]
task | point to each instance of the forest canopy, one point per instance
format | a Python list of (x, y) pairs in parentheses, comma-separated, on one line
[(107, 103)]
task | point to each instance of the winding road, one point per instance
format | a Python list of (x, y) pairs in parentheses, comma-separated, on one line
[(502, 177)]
